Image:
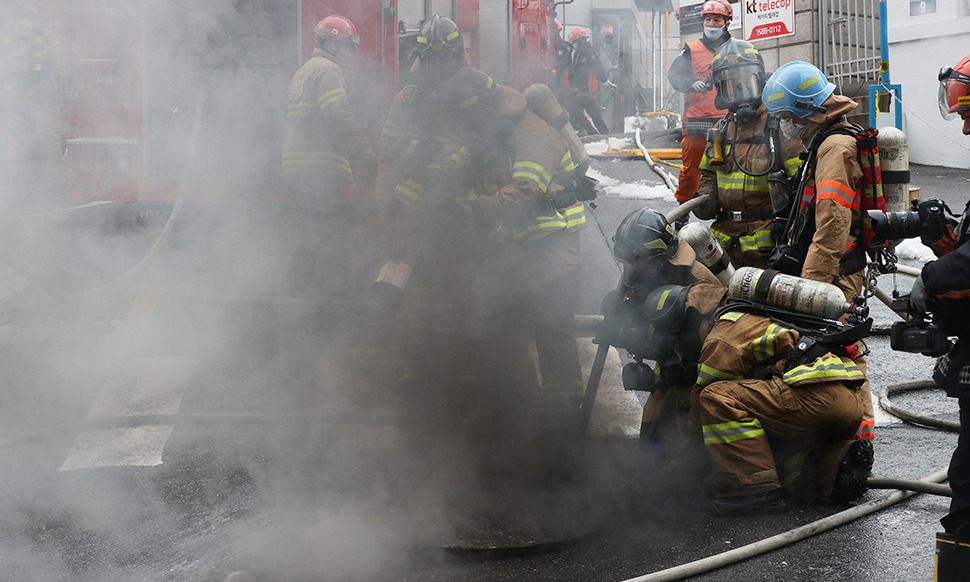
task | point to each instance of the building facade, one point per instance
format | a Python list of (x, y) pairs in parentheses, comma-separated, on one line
[(925, 35)]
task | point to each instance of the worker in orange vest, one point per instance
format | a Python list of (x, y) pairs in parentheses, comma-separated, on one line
[(690, 74)]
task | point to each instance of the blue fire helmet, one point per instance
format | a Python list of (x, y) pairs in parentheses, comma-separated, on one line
[(798, 88)]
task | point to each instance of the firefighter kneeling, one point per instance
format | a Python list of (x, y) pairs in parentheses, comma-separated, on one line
[(777, 365), (758, 379)]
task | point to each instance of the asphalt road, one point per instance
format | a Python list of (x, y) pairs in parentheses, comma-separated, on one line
[(290, 499)]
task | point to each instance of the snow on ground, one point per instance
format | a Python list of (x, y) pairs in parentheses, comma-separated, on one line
[(639, 190), (598, 148), (912, 249)]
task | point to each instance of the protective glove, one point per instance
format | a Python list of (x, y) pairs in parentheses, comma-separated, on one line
[(918, 298), (710, 208), (699, 87)]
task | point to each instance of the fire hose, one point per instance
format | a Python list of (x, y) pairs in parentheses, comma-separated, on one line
[(669, 180), (783, 539)]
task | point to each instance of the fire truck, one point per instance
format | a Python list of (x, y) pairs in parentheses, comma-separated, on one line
[(138, 67)]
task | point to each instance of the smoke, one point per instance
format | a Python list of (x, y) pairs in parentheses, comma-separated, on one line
[(318, 437)]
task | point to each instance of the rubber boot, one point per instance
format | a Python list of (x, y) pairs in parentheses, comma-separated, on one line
[(952, 560), (852, 480)]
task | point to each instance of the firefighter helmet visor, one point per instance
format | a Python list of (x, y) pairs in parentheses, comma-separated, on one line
[(954, 95)]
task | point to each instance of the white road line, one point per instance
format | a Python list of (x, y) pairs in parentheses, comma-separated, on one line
[(154, 386)]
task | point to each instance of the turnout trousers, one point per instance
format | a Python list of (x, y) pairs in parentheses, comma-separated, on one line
[(739, 416)]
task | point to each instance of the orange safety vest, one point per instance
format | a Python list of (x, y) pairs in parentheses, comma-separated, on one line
[(700, 105)]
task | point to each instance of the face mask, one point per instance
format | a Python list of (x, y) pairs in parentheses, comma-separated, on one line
[(790, 130), (713, 33)]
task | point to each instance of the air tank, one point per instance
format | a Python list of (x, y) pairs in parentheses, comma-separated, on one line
[(708, 251), (776, 289), (894, 164), (542, 101)]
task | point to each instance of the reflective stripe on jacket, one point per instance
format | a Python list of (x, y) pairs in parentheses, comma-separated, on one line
[(739, 342), (737, 191), (836, 193), (321, 132), (541, 168)]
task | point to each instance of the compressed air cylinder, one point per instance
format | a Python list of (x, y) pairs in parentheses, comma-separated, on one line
[(894, 161), (791, 293), (708, 251), (542, 101)]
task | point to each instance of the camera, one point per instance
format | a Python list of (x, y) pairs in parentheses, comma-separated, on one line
[(927, 220), (919, 335)]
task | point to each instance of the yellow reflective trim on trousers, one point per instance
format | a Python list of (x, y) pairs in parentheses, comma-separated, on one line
[(760, 240), (707, 374), (331, 97), (533, 167), (729, 432), (825, 368)]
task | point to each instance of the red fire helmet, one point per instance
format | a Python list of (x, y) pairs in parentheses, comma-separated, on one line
[(955, 89), (337, 28)]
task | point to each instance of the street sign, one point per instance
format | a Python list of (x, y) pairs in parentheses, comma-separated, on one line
[(767, 19)]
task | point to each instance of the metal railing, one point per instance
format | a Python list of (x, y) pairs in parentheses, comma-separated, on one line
[(850, 41)]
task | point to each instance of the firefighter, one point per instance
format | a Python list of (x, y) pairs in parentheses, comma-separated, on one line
[(943, 289), (417, 127), (523, 175), (749, 151), (585, 75), (690, 74), (755, 381), (34, 98), (652, 257), (323, 148), (423, 166), (829, 221), (564, 59)]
